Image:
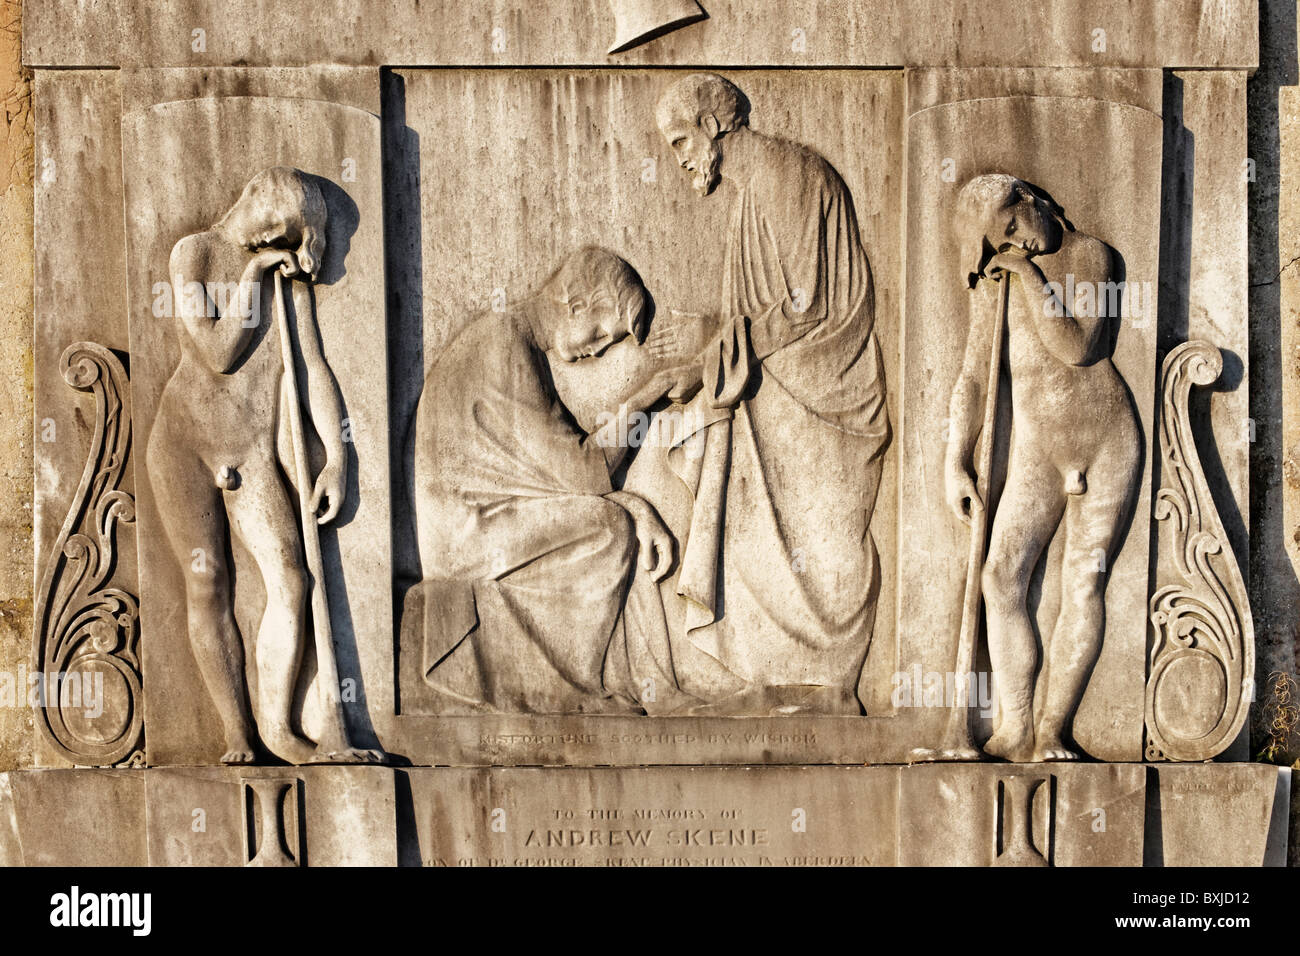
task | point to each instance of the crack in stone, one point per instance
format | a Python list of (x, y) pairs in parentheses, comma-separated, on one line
[(1273, 281)]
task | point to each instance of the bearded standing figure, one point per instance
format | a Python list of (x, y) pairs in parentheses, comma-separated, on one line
[(779, 576)]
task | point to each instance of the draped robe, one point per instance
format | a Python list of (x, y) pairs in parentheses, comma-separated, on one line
[(525, 563), (779, 572)]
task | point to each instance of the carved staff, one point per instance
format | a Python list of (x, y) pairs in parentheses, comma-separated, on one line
[(333, 734), (958, 743)]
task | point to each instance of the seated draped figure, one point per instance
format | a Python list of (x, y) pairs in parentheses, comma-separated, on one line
[(528, 554)]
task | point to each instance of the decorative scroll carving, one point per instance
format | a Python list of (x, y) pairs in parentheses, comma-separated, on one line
[(86, 633), (1203, 646), (640, 21)]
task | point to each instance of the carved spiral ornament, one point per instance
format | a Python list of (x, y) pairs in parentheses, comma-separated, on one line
[(1202, 663), (86, 631)]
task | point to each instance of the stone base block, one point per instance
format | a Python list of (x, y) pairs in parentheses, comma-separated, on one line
[(924, 815)]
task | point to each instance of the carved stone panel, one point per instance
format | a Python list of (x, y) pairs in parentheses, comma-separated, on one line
[(648, 433), (1213, 34), (170, 197), (73, 109), (626, 167), (1075, 815), (1053, 132), (89, 703)]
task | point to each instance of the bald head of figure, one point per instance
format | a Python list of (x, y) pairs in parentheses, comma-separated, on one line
[(694, 115)]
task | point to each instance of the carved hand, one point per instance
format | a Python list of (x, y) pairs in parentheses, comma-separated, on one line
[(329, 488), (1018, 263), (681, 383), (959, 490), (656, 541), (680, 338), (1006, 262), (285, 259)]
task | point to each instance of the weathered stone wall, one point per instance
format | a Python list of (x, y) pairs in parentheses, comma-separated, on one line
[(15, 379)]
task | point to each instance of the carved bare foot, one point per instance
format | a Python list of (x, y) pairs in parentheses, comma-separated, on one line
[(1053, 749), (290, 747), (239, 754), (1013, 741), (933, 754), (347, 755)]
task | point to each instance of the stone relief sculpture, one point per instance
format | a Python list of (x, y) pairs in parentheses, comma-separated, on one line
[(1202, 672), (227, 423), (86, 631), (779, 574), (527, 550), (634, 506), (532, 599), (1075, 453)]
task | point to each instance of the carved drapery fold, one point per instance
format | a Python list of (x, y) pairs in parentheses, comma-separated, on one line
[(87, 632), (1202, 651)]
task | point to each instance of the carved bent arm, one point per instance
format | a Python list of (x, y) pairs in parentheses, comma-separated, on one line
[(784, 322), (652, 372), (804, 269), (612, 434), (965, 409), (664, 382), (1067, 335), (319, 393), (219, 339)]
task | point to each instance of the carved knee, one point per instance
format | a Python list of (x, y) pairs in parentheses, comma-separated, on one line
[(1003, 589), (207, 589), (289, 586), (1084, 587)]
